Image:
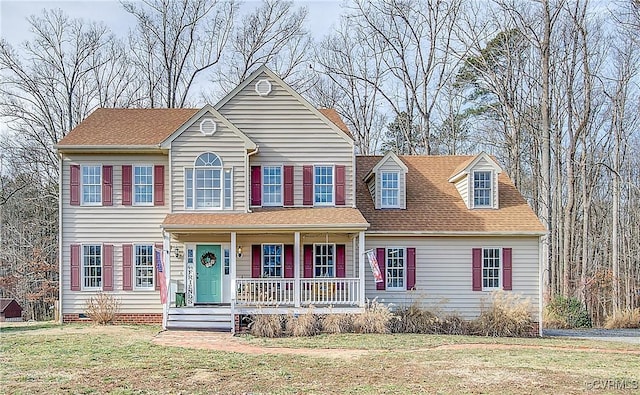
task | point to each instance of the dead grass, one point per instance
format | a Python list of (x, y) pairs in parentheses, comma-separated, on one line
[(266, 325), (624, 319), (507, 315), (123, 360), (102, 308), (306, 324), (374, 319)]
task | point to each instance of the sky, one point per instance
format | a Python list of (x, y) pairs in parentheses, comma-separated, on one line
[(323, 15)]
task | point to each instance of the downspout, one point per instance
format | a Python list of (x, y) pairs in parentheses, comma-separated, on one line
[(60, 317), (247, 181)]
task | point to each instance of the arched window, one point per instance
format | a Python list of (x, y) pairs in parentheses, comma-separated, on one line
[(208, 185)]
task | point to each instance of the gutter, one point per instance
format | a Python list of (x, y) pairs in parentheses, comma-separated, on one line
[(262, 228), (382, 233), (108, 148)]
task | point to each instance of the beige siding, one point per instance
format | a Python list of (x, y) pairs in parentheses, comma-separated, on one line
[(391, 166), (115, 225), (462, 186), (224, 143), (443, 272), (288, 133)]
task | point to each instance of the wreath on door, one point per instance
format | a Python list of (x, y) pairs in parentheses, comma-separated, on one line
[(208, 259)]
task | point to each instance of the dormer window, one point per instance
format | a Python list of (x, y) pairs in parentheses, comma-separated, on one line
[(482, 190), (390, 189)]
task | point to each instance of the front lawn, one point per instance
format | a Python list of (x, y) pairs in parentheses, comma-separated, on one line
[(123, 360)]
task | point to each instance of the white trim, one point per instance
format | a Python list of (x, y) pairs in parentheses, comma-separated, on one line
[(472, 182), (333, 185), (224, 194), (334, 259), (398, 205), (500, 268), (465, 171), (389, 155), (60, 244), (296, 269), (153, 267), (206, 120), (82, 277), (133, 184), (404, 269), (403, 233), (91, 204), (281, 259), (262, 200), (264, 92)]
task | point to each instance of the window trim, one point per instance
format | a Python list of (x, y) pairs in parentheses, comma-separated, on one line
[(382, 205), (133, 184), (153, 267), (83, 287), (262, 271), (500, 269), (333, 184), (404, 269), (473, 189), (262, 185), (335, 257), (193, 168), (82, 184)]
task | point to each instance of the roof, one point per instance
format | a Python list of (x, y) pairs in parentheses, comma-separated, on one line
[(464, 167), (4, 303), (127, 126), (434, 204), (133, 127), (272, 218)]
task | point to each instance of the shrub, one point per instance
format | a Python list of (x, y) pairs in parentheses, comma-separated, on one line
[(337, 323), (564, 313), (102, 308), (413, 319), (374, 319), (623, 319), (455, 325), (508, 315), (302, 325), (266, 325)]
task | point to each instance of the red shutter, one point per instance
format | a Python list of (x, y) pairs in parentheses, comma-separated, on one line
[(75, 267), (74, 183), (127, 267), (159, 246), (307, 185), (256, 185), (158, 185), (107, 267), (107, 185), (308, 261), (341, 261), (340, 185), (288, 261), (256, 261), (380, 253), (506, 269), (411, 268), (288, 185), (127, 172), (477, 269)]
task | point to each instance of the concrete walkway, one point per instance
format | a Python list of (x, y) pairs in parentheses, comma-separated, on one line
[(614, 335)]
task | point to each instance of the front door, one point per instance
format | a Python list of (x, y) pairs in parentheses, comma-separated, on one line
[(208, 274)]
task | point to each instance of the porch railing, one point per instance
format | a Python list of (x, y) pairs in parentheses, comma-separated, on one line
[(281, 292)]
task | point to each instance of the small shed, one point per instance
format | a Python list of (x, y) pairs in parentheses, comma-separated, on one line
[(10, 310)]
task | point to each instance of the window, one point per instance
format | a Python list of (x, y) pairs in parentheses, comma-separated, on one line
[(324, 260), (227, 262), (144, 267), (482, 189), (323, 185), (390, 189), (395, 267), (272, 186), (272, 260), (92, 266), (490, 268), (208, 185), (92, 185), (143, 185)]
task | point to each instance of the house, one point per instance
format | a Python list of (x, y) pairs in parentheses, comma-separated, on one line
[(258, 204), (10, 310)]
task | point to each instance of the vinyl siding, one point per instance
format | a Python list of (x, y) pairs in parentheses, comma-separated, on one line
[(115, 225), (463, 188), (288, 133), (443, 272), (483, 165), (391, 166), (224, 143)]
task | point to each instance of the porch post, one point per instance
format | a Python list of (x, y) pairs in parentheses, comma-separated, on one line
[(232, 266), (166, 256), (361, 260), (296, 269)]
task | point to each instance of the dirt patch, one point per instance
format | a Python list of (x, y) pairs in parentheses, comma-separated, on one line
[(485, 346)]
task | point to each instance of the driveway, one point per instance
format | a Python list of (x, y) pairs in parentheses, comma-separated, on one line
[(613, 335)]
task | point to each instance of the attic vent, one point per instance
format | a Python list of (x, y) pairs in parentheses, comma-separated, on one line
[(207, 127), (263, 87)]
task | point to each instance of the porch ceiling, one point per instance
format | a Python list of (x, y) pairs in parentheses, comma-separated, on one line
[(293, 219)]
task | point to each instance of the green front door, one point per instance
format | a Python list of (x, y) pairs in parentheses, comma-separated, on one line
[(208, 274)]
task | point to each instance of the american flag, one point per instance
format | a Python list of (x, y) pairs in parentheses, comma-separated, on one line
[(375, 268), (162, 279)]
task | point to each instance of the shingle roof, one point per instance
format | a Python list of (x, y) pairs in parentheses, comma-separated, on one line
[(141, 127), (434, 204), (272, 218)]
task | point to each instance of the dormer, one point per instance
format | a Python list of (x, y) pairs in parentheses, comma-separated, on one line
[(477, 182), (387, 183)]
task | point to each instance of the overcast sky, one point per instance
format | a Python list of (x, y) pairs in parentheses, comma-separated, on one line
[(323, 14)]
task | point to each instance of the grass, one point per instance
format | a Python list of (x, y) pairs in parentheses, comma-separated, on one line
[(123, 360)]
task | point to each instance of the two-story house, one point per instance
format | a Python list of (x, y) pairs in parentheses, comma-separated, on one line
[(259, 205)]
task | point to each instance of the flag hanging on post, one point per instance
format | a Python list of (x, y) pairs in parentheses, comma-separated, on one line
[(161, 276), (375, 268)]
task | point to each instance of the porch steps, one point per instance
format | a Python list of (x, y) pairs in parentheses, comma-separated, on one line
[(200, 318)]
